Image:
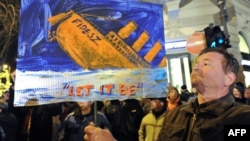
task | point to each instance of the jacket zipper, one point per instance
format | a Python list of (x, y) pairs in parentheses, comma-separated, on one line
[(191, 127)]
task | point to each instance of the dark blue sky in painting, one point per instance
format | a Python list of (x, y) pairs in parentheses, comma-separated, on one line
[(36, 53)]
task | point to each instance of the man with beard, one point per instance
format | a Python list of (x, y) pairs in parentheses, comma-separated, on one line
[(152, 122)]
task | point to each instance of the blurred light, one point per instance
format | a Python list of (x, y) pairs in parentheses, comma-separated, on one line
[(245, 62), (173, 45), (213, 44), (5, 66), (220, 41)]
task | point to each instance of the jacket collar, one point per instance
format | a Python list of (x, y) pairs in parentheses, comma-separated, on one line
[(216, 107)]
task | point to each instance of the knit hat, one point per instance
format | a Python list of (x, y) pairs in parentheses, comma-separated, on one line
[(161, 99)]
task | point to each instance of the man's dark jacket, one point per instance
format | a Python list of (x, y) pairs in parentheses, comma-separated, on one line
[(205, 122)]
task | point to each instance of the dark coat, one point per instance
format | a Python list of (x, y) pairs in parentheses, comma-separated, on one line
[(203, 122), (130, 120), (41, 121), (9, 124), (73, 126), (185, 95)]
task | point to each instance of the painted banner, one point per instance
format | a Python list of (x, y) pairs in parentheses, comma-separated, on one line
[(79, 50)]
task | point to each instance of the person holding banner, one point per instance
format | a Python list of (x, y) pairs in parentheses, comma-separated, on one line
[(206, 116), (76, 121)]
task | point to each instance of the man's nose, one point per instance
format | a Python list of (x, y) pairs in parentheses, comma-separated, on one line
[(196, 67)]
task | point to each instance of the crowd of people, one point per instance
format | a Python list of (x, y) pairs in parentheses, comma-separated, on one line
[(199, 115), (127, 120)]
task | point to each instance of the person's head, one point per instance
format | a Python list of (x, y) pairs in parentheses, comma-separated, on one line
[(238, 91), (183, 87), (247, 92), (85, 106), (173, 94), (3, 106), (6, 95), (215, 70), (158, 104)]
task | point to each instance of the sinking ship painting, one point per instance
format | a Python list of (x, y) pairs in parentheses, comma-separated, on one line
[(76, 50)]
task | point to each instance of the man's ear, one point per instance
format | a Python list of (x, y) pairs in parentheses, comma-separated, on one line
[(161, 103), (230, 78)]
